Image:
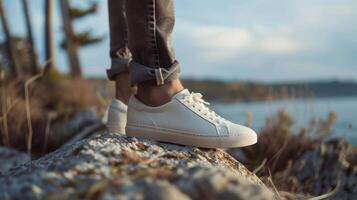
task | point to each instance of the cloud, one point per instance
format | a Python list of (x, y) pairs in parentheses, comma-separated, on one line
[(223, 42)]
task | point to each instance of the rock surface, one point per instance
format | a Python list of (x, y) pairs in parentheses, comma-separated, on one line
[(110, 166), (60, 133), (10, 158)]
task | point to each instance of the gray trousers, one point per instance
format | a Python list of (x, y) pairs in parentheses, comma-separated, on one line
[(140, 40)]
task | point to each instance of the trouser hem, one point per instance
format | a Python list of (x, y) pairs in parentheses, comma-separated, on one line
[(119, 65), (158, 76)]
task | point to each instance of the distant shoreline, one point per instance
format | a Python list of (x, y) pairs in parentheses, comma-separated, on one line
[(231, 92), (245, 91)]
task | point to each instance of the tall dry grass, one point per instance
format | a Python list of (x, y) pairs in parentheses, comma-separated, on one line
[(27, 105), (279, 147)]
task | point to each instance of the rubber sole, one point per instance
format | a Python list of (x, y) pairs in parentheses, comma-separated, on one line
[(115, 129), (189, 139)]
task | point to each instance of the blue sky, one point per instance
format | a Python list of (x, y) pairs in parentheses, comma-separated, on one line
[(262, 40)]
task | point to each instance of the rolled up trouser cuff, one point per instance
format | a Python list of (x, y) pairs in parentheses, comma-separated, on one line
[(140, 73), (118, 66)]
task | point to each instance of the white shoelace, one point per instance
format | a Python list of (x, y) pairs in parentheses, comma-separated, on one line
[(195, 100)]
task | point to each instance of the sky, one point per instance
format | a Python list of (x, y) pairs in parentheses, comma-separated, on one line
[(255, 40)]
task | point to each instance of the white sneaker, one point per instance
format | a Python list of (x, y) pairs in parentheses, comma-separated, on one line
[(186, 120), (116, 117)]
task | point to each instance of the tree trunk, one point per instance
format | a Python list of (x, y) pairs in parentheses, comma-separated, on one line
[(34, 64), (10, 47), (70, 42), (49, 36)]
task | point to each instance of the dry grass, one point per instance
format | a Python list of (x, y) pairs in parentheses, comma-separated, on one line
[(28, 111), (66, 95), (52, 95), (14, 119), (278, 144), (279, 147)]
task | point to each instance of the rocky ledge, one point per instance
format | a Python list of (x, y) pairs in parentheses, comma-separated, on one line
[(109, 166)]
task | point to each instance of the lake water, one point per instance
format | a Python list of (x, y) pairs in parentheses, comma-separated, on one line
[(302, 110)]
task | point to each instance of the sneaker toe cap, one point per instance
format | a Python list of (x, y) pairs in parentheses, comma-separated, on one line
[(237, 131)]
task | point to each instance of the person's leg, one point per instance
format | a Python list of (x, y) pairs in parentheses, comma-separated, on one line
[(119, 51), (119, 71), (154, 68), (162, 110)]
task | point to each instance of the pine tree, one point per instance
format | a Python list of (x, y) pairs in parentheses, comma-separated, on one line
[(71, 45), (85, 37), (10, 46), (49, 36), (74, 41), (34, 63)]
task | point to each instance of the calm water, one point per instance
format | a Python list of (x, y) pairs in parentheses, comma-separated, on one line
[(302, 110)]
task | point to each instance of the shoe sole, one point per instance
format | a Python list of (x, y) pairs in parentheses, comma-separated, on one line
[(189, 139), (115, 129)]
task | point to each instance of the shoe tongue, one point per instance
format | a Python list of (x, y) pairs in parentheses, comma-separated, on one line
[(181, 94)]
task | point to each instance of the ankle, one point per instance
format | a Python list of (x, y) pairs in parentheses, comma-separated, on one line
[(158, 95), (122, 87)]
